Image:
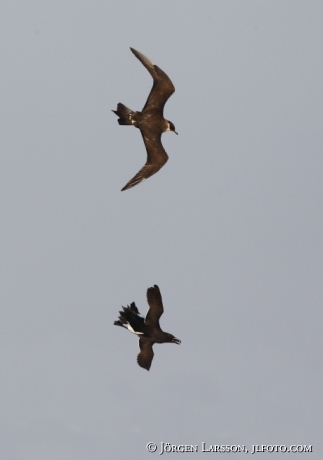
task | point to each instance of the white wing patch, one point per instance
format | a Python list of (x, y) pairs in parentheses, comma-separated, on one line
[(132, 330), (145, 59)]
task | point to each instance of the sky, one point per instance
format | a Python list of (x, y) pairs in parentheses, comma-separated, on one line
[(230, 229)]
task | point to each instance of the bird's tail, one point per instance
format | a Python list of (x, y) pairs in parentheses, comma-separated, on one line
[(125, 114)]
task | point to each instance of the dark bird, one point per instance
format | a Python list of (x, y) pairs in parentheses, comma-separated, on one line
[(147, 329), (150, 120)]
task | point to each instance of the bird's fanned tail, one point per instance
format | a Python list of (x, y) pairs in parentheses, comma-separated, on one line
[(125, 114)]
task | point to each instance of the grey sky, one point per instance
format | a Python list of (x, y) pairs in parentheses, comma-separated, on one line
[(230, 229)]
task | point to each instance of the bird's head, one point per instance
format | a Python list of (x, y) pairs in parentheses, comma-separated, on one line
[(171, 127), (172, 339)]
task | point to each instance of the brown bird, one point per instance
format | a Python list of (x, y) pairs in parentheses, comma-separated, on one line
[(147, 329), (150, 120)]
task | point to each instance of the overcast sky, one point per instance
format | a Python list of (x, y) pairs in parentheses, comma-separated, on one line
[(230, 229)]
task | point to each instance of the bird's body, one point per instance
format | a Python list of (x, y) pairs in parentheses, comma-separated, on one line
[(150, 120), (148, 329)]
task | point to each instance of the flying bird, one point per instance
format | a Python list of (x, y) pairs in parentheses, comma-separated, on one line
[(147, 329), (150, 120)]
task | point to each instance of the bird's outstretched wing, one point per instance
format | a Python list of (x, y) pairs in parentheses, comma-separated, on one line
[(133, 307), (146, 354), (162, 88), (156, 158), (156, 309)]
